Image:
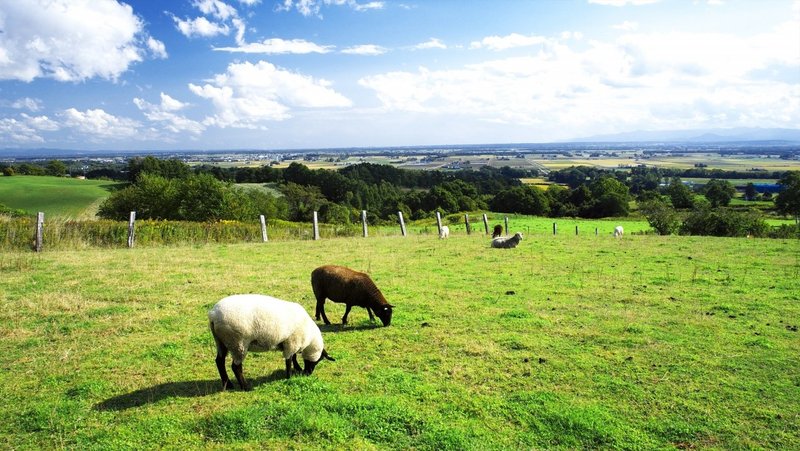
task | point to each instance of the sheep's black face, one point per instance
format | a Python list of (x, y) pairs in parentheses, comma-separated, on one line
[(310, 364), (385, 314)]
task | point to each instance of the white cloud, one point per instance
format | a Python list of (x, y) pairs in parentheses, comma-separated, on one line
[(61, 39), (164, 114), (366, 49), (432, 43), (674, 80), (27, 103), (26, 129), (510, 41), (97, 124), (200, 26), (626, 26), (313, 7), (623, 2), (250, 2), (279, 46), (215, 8), (157, 48), (249, 95)]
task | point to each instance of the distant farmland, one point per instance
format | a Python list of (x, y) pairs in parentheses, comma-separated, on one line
[(56, 196)]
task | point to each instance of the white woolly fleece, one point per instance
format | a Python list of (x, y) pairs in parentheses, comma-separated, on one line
[(260, 323)]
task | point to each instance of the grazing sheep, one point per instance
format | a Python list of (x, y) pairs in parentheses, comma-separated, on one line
[(507, 242), (618, 232), (254, 322), (498, 231), (340, 284), (444, 232)]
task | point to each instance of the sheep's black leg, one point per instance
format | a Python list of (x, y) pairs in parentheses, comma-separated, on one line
[(321, 311), (346, 312), (371, 316), (296, 365), (288, 368), (222, 352), (237, 371)]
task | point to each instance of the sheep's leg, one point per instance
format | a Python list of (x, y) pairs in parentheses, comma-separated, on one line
[(346, 312), (290, 363), (238, 372), (296, 364), (222, 352), (371, 316), (321, 310)]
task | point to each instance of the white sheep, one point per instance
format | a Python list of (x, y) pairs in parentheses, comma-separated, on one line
[(444, 232), (618, 232), (254, 322), (503, 242)]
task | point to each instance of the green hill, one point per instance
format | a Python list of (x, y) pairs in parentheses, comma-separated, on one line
[(55, 196), (566, 342)]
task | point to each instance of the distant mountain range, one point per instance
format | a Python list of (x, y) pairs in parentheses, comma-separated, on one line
[(712, 135)]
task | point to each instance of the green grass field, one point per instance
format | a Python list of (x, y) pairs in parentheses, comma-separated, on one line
[(56, 196), (644, 342)]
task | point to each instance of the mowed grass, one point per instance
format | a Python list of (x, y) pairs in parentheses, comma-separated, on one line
[(55, 196), (644, 342)]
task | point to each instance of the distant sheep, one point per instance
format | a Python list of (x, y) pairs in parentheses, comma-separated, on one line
[(507, 242), (444, 232), (340, 284), (618, 232), (498, 231), (254, 322)]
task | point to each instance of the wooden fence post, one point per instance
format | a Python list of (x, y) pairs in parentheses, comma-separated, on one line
[(595, 231), (264, 236), (438, 223), (364, 222), (39, 231), (555, 228), (466, 223), (402, 223), (506, 220), (315, 227), (131, 229), (576, 230), (486, 223)]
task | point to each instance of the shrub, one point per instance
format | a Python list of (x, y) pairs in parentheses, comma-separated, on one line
[(724, 222)]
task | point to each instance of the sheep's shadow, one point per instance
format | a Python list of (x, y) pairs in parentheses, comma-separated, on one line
[(186, 389), (340, 328)]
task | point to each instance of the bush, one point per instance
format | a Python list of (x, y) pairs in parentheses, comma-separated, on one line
[(661, 217), (724, 222)]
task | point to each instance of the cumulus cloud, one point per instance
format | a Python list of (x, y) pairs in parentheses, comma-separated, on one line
[(313, 7), (157, 48), (366, 49), (249, 95), (61, 39), (510, 41), (626, 26), (200, 26), (432, 43), (27, 103), (26, 129), (276, 46), (675, 80), (97, 124), (164, 113)]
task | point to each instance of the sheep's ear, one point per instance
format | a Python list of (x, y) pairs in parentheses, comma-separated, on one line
[(389, 306), (326, 356)]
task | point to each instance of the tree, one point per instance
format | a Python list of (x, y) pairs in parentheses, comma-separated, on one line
[(719, 192), (661, 217), (8, 171), (527, 200), (680, 195), (56, 168), (787, 202), (750, 192)]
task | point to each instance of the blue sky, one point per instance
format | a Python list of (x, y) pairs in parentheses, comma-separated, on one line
[(294, 74)]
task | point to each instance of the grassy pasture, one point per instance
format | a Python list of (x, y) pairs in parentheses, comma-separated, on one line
[(56, 196), (570, 342)]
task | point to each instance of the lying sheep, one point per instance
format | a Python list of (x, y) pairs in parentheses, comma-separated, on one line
[(618, 232), (498, 231), (254, 322), (444, 232), (340, 284), (507, 242)]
